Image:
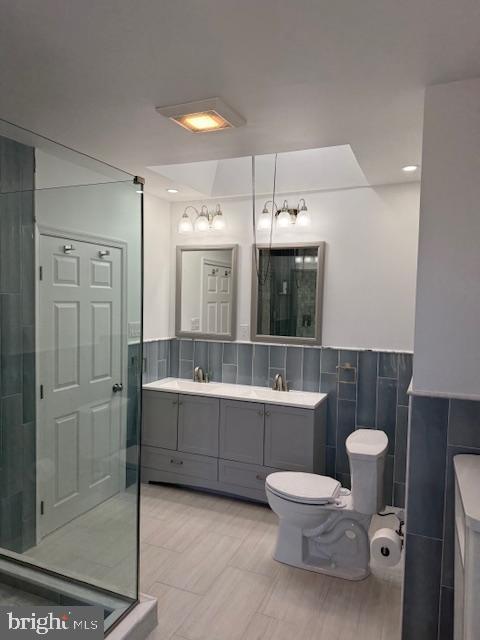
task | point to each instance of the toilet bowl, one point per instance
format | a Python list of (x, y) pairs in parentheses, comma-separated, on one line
[(323, 527)]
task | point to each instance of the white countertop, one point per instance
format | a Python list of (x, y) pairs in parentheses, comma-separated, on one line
[(302, 399), (467, 470)]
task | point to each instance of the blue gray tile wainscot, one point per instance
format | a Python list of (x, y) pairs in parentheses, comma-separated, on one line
[(439, 429), (351, 378)]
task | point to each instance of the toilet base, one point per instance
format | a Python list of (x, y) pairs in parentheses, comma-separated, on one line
[(340, 549)]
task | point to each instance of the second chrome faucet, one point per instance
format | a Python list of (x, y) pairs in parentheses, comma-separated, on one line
[(279, 383)]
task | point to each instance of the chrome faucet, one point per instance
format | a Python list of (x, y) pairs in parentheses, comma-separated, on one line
[(279, 383), (199, 375)]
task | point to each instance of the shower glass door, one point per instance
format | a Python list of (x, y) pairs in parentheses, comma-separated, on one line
[(70, 372)]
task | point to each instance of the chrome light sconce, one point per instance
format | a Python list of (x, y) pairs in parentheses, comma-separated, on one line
[(205, 220), (284, 216)]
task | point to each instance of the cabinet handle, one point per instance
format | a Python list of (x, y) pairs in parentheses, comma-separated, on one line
[(260, 413), (180, 402), (173, 461), (267, 413), (260, 477), (174, 401)]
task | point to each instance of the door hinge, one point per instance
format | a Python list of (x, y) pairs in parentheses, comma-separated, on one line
[(42, 508), (40, 273), (41, 392)]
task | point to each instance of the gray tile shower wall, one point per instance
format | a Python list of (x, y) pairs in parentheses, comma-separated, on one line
[(439, 429), (17, 348), (366, 389)]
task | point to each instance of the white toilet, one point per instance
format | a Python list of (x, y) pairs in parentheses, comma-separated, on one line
[(322, 526)]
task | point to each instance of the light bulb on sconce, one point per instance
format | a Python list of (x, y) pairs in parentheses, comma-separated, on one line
[(202, 222), (303, 217), (185, 224), (284, 218), (265, 220), (218, 221)]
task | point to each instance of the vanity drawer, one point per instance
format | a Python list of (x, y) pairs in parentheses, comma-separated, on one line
[(250, 476), (184, 464)]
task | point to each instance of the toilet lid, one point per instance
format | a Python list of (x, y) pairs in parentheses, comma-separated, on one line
[(308, 488)]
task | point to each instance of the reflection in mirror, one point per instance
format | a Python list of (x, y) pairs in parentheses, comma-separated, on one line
[(206, 292), (287, 287)]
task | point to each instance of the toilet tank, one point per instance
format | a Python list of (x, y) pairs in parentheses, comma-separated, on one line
[(367, 450)]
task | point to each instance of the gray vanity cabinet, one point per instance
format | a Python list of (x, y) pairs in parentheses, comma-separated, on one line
[(198, 424), (228, 445), (241, 431), (159, 424), (291, 439)]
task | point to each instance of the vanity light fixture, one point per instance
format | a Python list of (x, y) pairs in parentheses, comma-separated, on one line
[(410, 168), (205, 220), (202, 116), (284, 216)]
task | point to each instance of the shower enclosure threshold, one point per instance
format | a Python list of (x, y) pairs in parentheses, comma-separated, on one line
[(27, 585)]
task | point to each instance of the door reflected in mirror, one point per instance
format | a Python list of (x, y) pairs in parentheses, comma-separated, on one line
[(206, 292), (287, 286)]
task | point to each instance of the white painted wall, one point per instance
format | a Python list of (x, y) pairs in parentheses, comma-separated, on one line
[(371, 236), (447, 327)]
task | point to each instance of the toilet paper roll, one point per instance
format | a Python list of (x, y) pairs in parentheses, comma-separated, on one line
[(386, 547)]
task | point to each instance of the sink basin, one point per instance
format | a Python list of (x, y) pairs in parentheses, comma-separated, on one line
[(305, 399)]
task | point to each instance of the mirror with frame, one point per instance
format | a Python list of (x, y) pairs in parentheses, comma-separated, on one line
[(206, 292), (287, 293)]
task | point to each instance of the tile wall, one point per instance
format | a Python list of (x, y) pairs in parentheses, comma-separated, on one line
[(371, 392), (439, 429), (17, 348)]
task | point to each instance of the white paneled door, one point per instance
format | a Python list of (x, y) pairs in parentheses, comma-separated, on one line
[(216, 297), (80, 377)]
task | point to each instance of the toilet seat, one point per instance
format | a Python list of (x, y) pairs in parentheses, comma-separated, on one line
[(304, 488)]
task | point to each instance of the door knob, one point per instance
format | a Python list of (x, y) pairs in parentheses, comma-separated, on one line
[(118, 386)]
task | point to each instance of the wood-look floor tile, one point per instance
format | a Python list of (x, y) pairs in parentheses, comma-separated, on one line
[(262, 627), (225, 612), (197, 568), (178, 533), (152, 562), (256, 551), (295, 595), (240, 520), (174, 607)]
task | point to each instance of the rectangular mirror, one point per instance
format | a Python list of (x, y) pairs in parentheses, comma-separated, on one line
[(206, 292), (287, 292)]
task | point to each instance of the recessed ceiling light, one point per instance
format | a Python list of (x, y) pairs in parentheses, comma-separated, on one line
[(139, 191), (203, 115), (172, 190), (410, 168)]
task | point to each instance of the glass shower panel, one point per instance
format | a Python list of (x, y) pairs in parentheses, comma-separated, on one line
[(70, 370)]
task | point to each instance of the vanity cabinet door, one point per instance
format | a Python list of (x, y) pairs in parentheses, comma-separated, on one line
[(198, 425), (241, 431), (289, 438), (159, 422)]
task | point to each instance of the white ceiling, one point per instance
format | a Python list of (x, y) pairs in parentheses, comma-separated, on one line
[(304, 74), (296, 171)]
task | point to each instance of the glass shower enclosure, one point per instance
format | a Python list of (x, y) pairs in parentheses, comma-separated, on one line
[(70, 376)]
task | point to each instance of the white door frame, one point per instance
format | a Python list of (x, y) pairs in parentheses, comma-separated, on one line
[(67, 234)]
